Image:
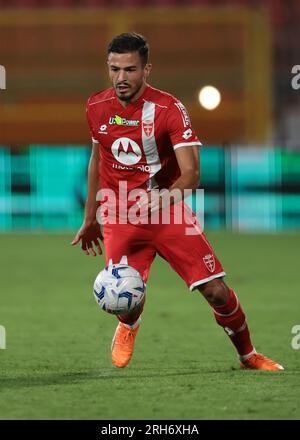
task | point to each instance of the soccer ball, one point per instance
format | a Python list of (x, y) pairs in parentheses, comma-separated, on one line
[(119, 289)]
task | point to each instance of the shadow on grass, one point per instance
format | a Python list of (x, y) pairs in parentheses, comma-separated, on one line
[(70, 378), (102, 374)]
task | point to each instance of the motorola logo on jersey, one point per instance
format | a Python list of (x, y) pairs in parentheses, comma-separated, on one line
[(126, 151)]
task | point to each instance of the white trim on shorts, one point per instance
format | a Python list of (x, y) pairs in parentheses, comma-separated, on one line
[(205, 280)]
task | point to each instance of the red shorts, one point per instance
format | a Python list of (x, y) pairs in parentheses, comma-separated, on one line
[(188, 253)]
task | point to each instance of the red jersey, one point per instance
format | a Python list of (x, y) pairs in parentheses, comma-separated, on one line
[(137, 143)]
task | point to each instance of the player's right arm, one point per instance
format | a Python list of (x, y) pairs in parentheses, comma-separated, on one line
[(93, 185), (89, 234)]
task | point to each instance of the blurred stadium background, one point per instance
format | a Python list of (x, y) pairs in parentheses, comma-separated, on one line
[(54, 55)]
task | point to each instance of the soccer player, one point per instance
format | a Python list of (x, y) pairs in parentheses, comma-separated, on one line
[(143, 137)]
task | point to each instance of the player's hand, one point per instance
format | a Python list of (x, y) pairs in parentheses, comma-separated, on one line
[(89, 234), (152, 201)]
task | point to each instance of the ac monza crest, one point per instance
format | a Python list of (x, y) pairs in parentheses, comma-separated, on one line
[(209, 262), (148, 127)]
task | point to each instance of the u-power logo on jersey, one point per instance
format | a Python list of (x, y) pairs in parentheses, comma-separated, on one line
[(117, 120), (2, 78), (2, 337)]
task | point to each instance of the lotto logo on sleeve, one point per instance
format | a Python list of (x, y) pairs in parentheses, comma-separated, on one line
[(187, 134)]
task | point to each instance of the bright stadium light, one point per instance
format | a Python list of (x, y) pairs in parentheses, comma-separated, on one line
[(209, 97)]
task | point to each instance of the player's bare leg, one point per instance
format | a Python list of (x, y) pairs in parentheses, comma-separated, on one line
[(124, 338), (230, 315)]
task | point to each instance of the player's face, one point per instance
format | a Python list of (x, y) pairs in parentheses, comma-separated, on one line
[(127, 74)]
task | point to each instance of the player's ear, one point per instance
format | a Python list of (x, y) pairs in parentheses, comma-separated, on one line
[(147, 70)]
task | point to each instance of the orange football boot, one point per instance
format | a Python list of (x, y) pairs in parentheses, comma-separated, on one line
[(123, 344), (259, 362)]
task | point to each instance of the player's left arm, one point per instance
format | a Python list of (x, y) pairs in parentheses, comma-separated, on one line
[(189, 165), (186, 148), (185, 144)]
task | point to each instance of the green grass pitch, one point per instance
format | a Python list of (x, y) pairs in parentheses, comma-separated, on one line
[(57, 362)]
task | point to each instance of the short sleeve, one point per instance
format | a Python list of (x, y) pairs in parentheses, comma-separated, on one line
[(89, 121), (179, 126)]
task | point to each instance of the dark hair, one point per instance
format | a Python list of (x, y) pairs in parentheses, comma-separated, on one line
[(130, 42)]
